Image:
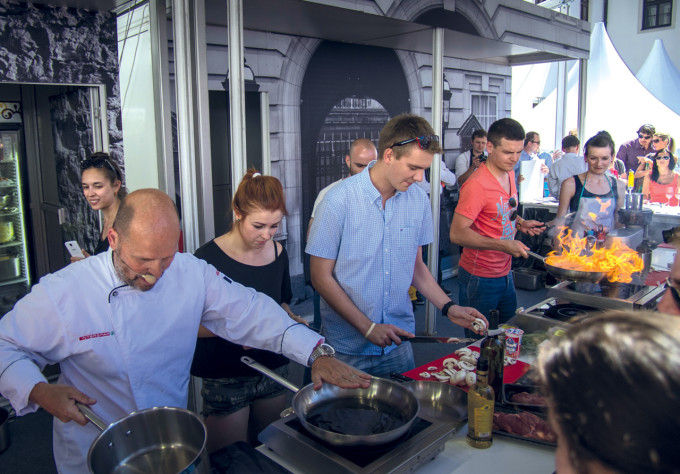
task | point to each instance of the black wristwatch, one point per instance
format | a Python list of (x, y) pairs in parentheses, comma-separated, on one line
[(322, 350), (445, 308)]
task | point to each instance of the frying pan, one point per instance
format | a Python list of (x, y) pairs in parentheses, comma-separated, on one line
[(438, 401), (567, 274), (383, 396)]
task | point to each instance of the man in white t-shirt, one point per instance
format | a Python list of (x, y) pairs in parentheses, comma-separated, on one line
[(361, 152), (467, 162)]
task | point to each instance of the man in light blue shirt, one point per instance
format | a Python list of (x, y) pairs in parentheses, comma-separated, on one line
[(365, 250)]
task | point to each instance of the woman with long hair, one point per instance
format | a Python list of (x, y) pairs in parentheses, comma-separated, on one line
[(660, 141), (661, 185), (238, 402), (102, 183)]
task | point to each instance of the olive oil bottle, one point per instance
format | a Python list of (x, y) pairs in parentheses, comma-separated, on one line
[(480, 408), (493, 348)]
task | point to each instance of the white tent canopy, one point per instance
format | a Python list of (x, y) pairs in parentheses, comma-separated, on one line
[(660, 76), (616, 100)]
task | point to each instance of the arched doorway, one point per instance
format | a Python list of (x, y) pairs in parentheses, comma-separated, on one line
[(348, 91)]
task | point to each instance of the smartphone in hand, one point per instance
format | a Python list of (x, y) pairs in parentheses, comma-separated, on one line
[(74, 249)]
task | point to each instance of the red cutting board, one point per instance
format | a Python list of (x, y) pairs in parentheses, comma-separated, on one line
[(511, 373)]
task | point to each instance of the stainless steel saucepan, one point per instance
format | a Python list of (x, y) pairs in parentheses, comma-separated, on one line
[(351, 417), (159, 440)]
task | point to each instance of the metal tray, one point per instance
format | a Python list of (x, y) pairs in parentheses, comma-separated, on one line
[(501, 409), (510, 389)]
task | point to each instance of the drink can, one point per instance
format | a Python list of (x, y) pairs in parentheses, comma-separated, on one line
[(513, 342)]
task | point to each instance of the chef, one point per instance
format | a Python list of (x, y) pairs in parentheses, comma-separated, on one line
[(123, 324), (594, 197)]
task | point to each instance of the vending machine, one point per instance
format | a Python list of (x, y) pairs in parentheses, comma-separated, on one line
[(15, 278)]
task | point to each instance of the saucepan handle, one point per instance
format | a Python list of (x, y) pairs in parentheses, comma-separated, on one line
[(91, 417), (269, 373)]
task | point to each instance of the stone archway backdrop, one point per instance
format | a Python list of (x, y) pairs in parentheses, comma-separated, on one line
[(358, 76)]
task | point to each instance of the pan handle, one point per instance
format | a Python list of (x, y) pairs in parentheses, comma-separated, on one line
[(535, 255), (269, 373), (91, 417)]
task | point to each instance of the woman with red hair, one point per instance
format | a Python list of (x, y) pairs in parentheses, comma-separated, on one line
[(239, 402)]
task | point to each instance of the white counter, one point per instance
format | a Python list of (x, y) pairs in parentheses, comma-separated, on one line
[(506, 455)]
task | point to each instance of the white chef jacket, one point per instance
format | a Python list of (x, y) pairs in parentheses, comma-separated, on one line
[(126, 348)]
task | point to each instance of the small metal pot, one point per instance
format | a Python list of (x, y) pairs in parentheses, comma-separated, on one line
[(10, 267), (159, 440)]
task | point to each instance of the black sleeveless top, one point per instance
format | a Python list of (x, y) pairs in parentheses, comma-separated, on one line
[(579, 191), (217, 358)]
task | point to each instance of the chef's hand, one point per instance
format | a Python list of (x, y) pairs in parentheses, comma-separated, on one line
[(331, 370), (516, 248), (531, 227), (464, 316), (385, 334), (60, 401)]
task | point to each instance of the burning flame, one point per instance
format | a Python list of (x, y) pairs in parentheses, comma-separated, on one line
[(618, 262)]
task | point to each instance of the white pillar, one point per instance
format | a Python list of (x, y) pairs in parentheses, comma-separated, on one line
[(237, 104), (435, 169)]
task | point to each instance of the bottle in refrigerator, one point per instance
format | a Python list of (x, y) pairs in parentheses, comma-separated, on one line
[(480, 408)]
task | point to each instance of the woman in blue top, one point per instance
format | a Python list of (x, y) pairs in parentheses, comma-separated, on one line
[(594, 196), (239, 402)]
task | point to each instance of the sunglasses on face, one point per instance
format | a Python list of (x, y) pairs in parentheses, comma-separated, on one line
[(674, 291), (513, 204), (645, 137), (98, 163), (658, 140), (664, 158), (537, 143), (423, 142)]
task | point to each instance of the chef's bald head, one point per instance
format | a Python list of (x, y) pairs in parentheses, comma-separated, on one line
[(146, 210)]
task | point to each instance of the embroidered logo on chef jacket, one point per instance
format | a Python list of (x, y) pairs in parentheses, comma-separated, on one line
[(99, 334)]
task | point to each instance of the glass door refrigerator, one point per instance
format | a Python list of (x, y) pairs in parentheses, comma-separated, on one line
[(15, 278)]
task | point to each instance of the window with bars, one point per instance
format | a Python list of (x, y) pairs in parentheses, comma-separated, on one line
[(656, 13), (485, 108)]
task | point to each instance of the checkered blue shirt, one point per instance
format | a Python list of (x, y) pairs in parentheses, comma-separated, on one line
[(374, 250)]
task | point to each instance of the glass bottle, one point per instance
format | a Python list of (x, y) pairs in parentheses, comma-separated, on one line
[(480, 409), (493, 349)]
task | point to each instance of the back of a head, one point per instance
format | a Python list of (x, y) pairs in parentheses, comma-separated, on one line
[(613, 384), (404, 127), (570, 141), (149, 209), (601, 139), (257, 191), (507, 128)]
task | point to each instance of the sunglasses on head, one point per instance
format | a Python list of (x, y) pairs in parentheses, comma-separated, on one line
[(674, 291), (98, 162), (513, 204), (424, 142), (646, 137)]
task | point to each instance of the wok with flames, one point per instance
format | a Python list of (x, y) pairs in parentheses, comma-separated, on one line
[(577, 260)]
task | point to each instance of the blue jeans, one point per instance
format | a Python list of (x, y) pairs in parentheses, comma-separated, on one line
[(399, 360), (485, 294)]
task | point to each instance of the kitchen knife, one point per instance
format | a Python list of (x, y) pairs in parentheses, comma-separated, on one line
[(448, 340)]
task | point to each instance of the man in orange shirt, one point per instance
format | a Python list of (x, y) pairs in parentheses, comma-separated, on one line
[(485, 223)]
